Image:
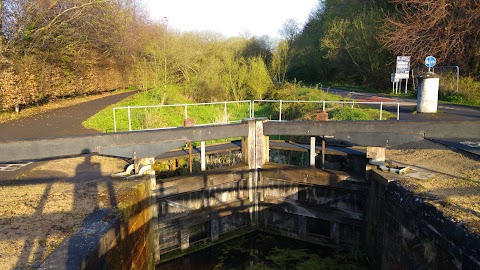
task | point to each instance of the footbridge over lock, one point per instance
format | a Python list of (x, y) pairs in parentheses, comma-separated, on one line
[(322, 206)]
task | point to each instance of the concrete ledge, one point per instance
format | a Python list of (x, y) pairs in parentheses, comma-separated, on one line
[(87, 248)]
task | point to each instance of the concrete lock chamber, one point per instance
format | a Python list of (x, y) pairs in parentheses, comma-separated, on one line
[(427, 95)]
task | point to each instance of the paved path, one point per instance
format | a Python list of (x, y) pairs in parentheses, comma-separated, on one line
[(446, 112), (59, 122)]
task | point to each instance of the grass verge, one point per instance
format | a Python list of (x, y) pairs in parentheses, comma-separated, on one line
[(161, 117)]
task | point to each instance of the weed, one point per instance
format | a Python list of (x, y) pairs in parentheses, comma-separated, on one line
[(358, 114)]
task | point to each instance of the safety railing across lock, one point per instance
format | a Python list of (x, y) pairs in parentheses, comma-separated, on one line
[(252, 104)]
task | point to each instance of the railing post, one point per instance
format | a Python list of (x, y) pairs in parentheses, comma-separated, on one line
[(252, 108), (313, 153), (203, 156), (114, 121), (398, 111), (225, 113), (323, 152), (324, 105), (129, 120), (381, 110), (186, 111), (280, 116)]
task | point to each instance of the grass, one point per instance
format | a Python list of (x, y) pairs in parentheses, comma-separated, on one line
[(350, 114), (162, 117)]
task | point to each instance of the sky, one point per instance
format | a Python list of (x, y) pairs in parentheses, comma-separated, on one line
[(231, 17)]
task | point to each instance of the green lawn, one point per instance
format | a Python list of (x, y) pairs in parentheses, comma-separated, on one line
[(173, 116)]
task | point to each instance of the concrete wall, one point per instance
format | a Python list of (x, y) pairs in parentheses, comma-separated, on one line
[(403, 232), (120, 238)]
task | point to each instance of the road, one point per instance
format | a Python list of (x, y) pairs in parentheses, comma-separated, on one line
[(446, 112), (59, 122)]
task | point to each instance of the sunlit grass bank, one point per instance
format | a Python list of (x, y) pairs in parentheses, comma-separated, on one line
[(292, 108)]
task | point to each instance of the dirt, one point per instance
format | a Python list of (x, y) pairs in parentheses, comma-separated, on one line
[(446, 178), (46, 202)]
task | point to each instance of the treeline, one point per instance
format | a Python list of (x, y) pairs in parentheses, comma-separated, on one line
[(51, 48), (55, 48), (357, 41)]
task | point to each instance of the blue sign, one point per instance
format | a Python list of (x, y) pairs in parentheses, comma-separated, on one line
[(430, 61)]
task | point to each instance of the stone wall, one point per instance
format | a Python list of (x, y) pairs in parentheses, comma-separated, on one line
[(403, 232)]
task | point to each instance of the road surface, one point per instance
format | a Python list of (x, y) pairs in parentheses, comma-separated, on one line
[(59, 122)]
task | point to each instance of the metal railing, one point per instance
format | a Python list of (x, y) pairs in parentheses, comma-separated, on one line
[(226, 109), (443, 71), (185, 108), (324, 103)]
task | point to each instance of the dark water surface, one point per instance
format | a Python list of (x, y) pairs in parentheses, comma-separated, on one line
[(256, 251)]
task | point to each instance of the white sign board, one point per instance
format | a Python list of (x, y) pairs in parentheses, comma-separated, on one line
[(403, 66)]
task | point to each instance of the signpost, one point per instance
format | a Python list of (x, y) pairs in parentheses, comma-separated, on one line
[(402, 72)]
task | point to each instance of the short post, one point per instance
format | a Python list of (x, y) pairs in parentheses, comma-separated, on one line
[(280, 116), (252, 108), (381, 110), (313, 154), (323, 152), (203, 156), (225, 118), (114, 121), (188, 122), (190, 158), (398, 111), (129, 120)]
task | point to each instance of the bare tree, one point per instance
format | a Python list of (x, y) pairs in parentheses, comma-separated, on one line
[(447, 29), (290, 30)]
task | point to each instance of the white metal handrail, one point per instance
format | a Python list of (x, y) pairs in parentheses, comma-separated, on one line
[(352, 103)]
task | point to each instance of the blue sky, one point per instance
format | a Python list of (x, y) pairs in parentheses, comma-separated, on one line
[(231, 17)]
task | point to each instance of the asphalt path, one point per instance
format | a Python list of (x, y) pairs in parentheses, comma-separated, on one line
[(446, 112), (60, 122)]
